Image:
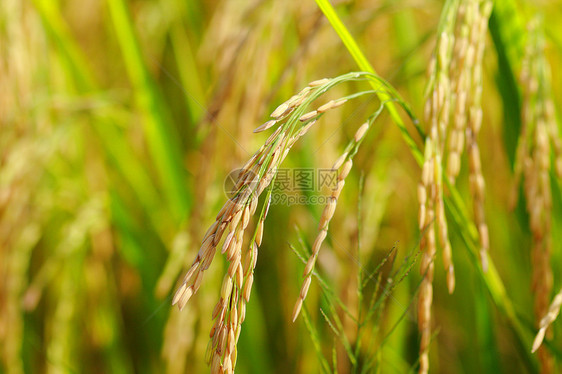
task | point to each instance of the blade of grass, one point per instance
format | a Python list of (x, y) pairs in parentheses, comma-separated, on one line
[(506, 38), (189, 73), (485, 331), (408, 40), (160, 136)]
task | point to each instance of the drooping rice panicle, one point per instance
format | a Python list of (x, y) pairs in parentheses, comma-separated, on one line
[(453, 111), (233, 219), (533, 164), (466, 72), (481, 10), (343, 165), (432, 220), (460, 72), (426, 194)]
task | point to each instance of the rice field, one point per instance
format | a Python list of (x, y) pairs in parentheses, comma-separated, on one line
[(280, 187)]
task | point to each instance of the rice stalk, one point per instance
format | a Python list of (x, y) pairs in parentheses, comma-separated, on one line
[(453, 109)]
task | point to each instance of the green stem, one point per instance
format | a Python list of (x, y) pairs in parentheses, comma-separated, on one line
[(364, 65)]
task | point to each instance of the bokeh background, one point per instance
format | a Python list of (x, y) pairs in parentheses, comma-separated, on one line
[(119, 121)]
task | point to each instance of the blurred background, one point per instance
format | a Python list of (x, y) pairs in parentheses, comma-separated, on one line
[(119, 122)]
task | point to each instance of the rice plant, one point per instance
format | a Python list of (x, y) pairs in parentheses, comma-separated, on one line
[(398, 209)]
